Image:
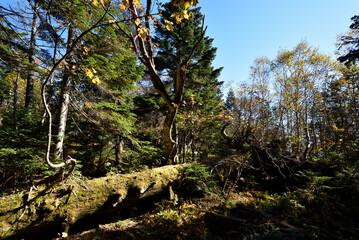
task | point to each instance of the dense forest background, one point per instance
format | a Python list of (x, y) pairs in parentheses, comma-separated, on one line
[(91, 85)]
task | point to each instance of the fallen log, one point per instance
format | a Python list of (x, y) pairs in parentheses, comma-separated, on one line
[(76, 204)]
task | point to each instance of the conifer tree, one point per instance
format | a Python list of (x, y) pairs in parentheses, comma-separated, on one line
[(32, 48), (202, 102), (97, 74)]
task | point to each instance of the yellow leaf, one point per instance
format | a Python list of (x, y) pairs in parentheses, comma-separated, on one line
[(194, 2), (187, 5), (168, 27), (178, 17), (168, 22), (172, 194), (96, 80), (89, 74), (137, 21), (103, 3), (95, 2), (141, 33), (138, 4), (123, 7), (185, 14), (155, 45)]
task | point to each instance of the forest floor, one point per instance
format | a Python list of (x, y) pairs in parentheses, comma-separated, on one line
[(238, 215), (199, 208)]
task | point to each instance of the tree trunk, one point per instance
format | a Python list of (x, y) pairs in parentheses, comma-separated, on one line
[(307, 139), (49, 93), (15, 102), (175, 136), (30, 78), (145, 53), (308, 144), (118, 149), (78, 205), (169, 152), (64, 98)]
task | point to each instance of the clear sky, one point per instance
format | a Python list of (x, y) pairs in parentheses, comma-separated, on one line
[(246, 29)]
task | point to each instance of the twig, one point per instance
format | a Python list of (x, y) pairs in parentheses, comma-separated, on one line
[(26, 202)]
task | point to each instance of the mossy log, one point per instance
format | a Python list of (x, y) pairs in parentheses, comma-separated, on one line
[(78, 203)]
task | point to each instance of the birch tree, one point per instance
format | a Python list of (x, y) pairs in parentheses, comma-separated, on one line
[(299, 75)]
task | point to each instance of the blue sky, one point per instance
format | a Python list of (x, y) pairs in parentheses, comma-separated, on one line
[(246, 29)]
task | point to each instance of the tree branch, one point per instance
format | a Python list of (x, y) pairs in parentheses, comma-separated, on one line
[(69, 160), (182, 68)]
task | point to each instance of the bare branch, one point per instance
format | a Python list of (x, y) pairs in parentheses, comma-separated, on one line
[(147, 22)]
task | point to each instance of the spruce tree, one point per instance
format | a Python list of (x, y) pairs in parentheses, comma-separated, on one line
[(96, 80), (202, 104)]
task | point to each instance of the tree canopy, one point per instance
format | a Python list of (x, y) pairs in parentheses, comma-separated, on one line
[(97, 96)]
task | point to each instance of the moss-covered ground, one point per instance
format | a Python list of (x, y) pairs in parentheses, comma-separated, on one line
[(59, 208), (193, 208)]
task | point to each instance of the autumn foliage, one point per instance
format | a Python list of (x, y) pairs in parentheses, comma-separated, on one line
[(100, 87)]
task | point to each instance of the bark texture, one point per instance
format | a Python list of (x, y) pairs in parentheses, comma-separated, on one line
[(30, 77), (64, 97), (15, 102), (78, 204)]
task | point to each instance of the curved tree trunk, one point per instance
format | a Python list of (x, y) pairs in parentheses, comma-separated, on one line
[(169, 152), (145, 53), (64, 98)]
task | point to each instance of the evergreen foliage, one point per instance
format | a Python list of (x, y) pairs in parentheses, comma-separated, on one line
[(285, 142), (198, 122)]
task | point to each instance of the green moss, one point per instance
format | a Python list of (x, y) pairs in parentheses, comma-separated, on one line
[(85, 198)]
